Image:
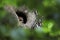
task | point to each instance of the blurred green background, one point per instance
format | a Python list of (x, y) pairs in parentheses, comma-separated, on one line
[(50, 29)]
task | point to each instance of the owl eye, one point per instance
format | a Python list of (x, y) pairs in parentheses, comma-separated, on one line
[(22, 16)]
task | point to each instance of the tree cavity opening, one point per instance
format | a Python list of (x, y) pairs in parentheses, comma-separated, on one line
[(22, 16)]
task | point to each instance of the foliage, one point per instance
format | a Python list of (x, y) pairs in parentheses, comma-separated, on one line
[(50, 29)]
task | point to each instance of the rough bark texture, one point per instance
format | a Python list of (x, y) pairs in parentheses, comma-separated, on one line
[(23, 15)]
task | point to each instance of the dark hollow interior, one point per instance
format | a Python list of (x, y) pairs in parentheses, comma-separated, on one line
[(23, 15)]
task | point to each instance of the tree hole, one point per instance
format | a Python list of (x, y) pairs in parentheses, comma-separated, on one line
[(22, 16)]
